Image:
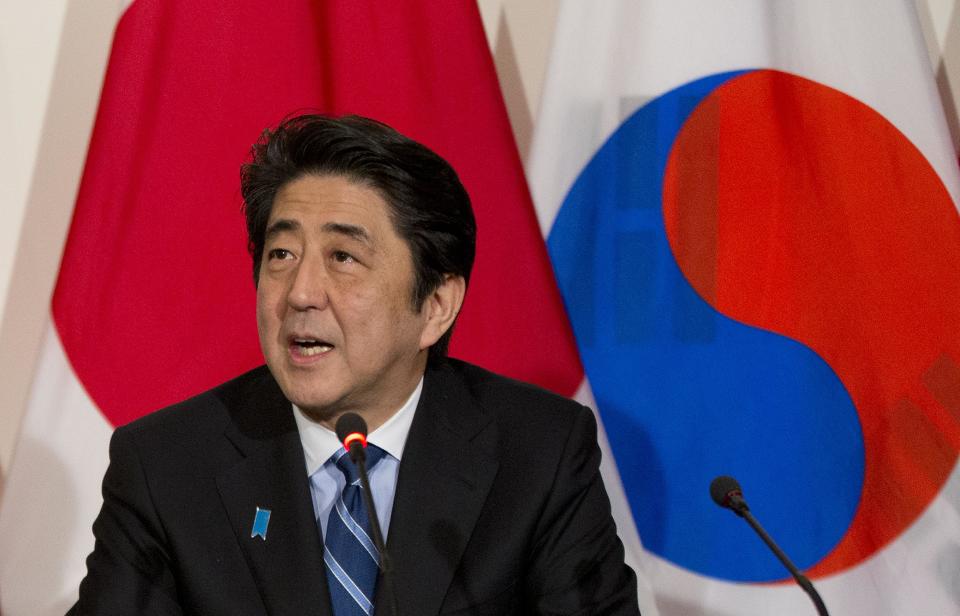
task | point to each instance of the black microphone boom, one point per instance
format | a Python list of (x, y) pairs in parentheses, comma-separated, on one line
[(725, 491), (352, 431)]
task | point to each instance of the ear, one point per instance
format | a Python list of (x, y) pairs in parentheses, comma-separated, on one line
[(441, 308)]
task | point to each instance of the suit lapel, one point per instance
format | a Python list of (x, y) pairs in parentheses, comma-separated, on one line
[(288, 564), (443, 482)]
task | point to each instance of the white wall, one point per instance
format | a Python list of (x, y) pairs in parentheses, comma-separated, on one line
[(52, 57)]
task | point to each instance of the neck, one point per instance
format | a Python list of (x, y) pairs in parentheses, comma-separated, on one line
[(375, 415)]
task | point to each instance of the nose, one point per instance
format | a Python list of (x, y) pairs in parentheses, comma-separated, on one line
[(308, 286)]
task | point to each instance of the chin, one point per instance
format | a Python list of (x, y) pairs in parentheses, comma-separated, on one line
[(318, 405), (304, 398), (319, 415), (295, 389)]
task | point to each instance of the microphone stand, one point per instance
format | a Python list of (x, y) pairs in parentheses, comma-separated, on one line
[(385, 565), (743, 511)]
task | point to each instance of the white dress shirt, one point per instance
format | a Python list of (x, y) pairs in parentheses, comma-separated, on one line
[(320, 443)]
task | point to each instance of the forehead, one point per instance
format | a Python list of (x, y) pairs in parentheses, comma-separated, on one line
[(321, 199)]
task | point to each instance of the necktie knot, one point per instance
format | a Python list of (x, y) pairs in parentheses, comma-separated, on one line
[(349, 469)]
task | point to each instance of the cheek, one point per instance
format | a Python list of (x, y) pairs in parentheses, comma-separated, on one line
[(261, 321), (357, 300), (268, 310), (371, 311)]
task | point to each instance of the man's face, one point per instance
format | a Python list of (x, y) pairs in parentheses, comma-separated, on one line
[(334, 301)]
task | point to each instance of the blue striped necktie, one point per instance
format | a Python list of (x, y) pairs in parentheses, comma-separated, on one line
[(351, 558)]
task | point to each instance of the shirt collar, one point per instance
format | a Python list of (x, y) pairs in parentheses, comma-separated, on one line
[(319, 442)]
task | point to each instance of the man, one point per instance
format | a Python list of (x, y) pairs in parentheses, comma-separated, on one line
[(236, 501)]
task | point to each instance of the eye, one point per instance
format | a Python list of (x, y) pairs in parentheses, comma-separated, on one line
[(279, 253), (343, 257)]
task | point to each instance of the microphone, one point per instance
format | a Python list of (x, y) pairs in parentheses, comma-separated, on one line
[(725, 491), (352, 431)]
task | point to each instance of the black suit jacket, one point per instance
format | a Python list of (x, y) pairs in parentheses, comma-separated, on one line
[(499, 508)]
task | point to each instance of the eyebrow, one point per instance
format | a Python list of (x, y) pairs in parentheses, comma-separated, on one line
[(352, 231), (279, 226), (355, 232)]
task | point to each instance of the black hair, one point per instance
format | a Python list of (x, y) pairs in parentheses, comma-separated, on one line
[(429, 207)]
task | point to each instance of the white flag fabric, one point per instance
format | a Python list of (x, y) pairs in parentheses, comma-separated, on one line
[(750, 210), (53, 490)]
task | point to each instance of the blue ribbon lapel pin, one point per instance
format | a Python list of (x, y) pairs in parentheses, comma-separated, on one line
[(260, 522)]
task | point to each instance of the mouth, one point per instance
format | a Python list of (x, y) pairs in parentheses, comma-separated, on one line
[(305, 347)]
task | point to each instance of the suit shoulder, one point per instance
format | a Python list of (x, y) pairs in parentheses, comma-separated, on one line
[(512, 399), (204, 412)]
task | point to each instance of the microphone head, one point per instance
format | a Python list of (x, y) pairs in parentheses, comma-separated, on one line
[(351, 428), (725, 491)]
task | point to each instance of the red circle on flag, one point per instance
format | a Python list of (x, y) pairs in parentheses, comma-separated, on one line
[(810, 215)]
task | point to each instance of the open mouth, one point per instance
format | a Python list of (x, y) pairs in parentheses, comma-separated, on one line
[(309, 347)]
